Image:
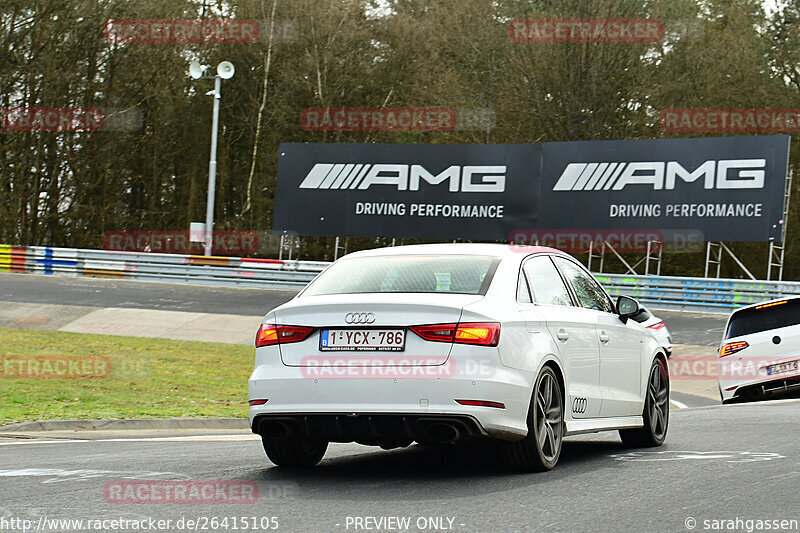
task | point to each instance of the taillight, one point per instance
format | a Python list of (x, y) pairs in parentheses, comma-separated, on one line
[(269, 334), (772, 304), (481, 333), (733, 347), (657, 325), (258, 402), (435, 332)]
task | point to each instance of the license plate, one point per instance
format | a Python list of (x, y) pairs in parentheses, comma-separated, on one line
[(782, 368), (381, 340)]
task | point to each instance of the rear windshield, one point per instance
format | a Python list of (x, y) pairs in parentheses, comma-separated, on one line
[(770, 316), (454, 274)]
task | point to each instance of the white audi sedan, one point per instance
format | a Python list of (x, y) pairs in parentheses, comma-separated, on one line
[(449, 343)]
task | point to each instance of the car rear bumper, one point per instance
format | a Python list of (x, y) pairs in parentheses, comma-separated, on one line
[(763, 389), (388, 430), (746, 378), (393, 406)]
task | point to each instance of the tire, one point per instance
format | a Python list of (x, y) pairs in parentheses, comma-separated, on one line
[(295, 451), (655, 413), (540, 449)]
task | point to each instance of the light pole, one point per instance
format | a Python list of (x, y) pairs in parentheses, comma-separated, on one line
[(225, 71)]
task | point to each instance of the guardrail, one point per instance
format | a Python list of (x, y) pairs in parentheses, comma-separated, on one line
[(668, 292), (173, 268), (696, 294)]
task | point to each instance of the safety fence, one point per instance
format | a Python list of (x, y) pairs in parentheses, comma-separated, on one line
[(696, 294), (174, 268), (668, 292)]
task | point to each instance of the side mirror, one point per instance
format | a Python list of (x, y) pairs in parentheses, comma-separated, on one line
[(627, 307)]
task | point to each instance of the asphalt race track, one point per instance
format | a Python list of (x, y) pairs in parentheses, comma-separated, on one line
[(97, 292), (687, 328), (718, 463)]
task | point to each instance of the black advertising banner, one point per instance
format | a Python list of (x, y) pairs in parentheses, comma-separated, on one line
[(439, 191), (720, 189)]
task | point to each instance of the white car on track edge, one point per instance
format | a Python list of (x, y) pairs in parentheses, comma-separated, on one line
[(760, 352), (449, 343), (657, 327)]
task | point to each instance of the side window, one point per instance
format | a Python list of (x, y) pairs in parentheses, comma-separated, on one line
[(546, 284), (590, 294)]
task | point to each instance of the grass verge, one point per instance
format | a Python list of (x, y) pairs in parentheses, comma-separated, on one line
[(126, 377)]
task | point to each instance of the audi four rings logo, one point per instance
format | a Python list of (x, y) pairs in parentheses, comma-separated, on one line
[(579, 405), (359, 318)]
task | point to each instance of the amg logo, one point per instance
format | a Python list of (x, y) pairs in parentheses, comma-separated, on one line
[(471, 178), (746, 174)]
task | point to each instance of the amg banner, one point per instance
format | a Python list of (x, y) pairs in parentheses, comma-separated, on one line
[(712, 189)]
